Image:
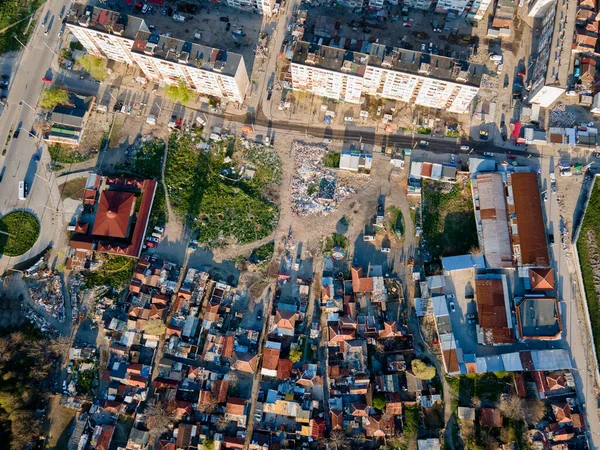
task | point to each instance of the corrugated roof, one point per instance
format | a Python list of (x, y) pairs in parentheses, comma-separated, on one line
[(539, 318), (494, 220), (530, 222), (462, 262)]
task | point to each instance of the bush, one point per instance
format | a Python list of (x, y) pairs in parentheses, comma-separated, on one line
[(295, 354), (332, 160), (262, 253), (53, 97), (75, 45), (379, 401), (94, 65), (64, 155), (423, 130), (20, 231), (422, 370), (115, 273), (179, 92)]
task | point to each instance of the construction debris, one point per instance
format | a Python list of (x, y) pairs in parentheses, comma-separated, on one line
[(317, 190), (47, 293)]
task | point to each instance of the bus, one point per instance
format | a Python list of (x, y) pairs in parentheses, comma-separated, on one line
[(22, 190)]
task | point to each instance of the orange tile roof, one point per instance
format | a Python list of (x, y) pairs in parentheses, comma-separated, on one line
[(270, 358), (542, 279), (114, 211)]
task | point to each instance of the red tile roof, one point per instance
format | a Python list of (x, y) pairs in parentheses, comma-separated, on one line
[(235, 406), (270, 358), (491, 417), (492, 309), (114, 210), (542, 279), (105, 437), (284, 369), (530, 222)]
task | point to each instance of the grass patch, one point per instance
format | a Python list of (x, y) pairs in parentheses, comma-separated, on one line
[(233, 213), (332, 160), (64, 155), (73, 189), (267, 164), (159, 214), (452, 133), (448, 221), (588, 236), (485, 388), (396, 220), (147, 158), (11, 13), (262, 253), (423, 130), (221, 211), (94, 65), (20, 231), (116, 272)]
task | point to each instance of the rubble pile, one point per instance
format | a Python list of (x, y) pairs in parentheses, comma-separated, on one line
[(560, 117), (315, 190), (48, 294), (39, 322)]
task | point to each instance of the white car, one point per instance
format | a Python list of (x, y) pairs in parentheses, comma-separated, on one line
[(145, 9), (267, 141), (452, 307), (160, 230), (385, 249), (424, 143), (495, 57), (348, 119), (379, 110), (465, 148), (488, 154)]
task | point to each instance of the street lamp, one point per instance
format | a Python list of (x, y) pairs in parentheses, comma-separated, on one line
[(23, 102), (23, 45), (55, 54)]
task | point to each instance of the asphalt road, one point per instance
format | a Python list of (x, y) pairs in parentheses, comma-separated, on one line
[(18, 165)]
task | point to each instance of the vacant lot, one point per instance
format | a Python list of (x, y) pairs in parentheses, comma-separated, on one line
[(73, 189), (448, 220), (589, 260)]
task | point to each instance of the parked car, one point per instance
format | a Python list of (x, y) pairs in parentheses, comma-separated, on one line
[(472, 321), (453, 158), (161, 230), (465, 148), (385, 249), (470, 316), (488, 154), (153, 239), (224, 19), (452, 307), (424, 143), (16, 133), (145, 9), (228, 26), (150, 244)]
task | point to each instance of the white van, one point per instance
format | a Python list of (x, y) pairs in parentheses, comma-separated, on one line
[(22, 190), (201, 121), (151, 119)]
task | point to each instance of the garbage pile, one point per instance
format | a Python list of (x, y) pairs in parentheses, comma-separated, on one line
[(315, 190), (48, 294), (560, 117), (39, 322), (76, 288)]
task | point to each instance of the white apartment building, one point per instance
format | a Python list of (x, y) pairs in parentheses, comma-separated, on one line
[(455, 6), (127, 39), (419, 4), (401, 75), (264, 7)]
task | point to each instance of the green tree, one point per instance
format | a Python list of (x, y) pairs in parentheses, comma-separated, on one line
[(179, 92), (422, 370), (94, 65), (53, 97), (295, 354), (209, 444), (379, 401)]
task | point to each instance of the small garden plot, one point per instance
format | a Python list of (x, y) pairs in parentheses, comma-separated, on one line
[(448, 220)]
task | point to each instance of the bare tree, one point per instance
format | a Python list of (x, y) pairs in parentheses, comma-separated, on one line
[(208, 405), (338, 440), (158, 419), (222, 423), (511, 408), (533, 410)]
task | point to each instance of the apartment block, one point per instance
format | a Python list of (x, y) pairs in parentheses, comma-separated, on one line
[(264, 7), (420, 4), (127, 39), (397, 74), (452, 6)]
